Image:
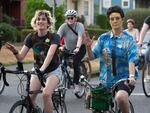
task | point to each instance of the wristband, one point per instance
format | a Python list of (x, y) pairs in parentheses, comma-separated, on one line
[(15, 53), (131, 75), (78, 47)]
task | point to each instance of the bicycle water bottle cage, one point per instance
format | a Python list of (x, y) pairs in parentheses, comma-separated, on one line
[(102, 98)]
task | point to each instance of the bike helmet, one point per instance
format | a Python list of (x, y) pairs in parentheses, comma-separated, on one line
[(71, 13)]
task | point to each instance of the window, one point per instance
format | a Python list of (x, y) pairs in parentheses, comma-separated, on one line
[(106, 3), (125, 3), (86, 8)]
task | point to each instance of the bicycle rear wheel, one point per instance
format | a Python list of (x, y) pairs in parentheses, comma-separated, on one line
[(20, 107), (146, 79), (2, 85)]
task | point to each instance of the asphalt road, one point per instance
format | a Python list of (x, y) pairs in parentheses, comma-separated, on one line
[(74, 105), (9, 96)]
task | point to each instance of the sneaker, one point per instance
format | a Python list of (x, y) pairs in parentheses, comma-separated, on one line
[(76, 89)]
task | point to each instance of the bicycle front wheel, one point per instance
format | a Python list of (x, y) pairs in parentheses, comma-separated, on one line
[(2, 85), (146, 79), (86, 69), (19, 107), (131, 108), (60, 107)]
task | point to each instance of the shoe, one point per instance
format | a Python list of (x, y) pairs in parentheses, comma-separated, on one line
[(76, 89)]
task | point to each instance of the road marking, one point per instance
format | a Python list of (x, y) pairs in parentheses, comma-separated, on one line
[(138, 94)]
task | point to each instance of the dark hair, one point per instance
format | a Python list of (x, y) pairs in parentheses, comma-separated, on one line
[(115, 9)]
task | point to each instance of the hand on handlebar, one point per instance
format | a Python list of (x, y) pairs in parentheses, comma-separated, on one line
[(76, 50), (132, 81), (40, 76)]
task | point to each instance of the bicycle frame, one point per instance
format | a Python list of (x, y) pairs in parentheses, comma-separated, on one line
[(112, 108)]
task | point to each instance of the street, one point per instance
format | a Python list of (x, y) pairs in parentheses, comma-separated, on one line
[(74, 105)]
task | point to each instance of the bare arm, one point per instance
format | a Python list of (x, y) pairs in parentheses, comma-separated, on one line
[(19, 55), (88, 43), (137, 34), (49, 56), (132, 73), (143, 31)]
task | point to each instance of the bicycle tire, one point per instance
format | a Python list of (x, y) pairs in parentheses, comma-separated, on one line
[(131, 108), (19, 106), (61, 108), (2, 85), (88, 69), (59, 103), (146, 80), (66, 81)]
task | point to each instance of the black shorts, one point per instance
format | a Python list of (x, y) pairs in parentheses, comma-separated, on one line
[(126, 87)]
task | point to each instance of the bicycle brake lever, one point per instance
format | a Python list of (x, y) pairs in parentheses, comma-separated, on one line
[(4, 76)]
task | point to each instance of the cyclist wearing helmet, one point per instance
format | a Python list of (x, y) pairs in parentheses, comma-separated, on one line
[(73, 31)]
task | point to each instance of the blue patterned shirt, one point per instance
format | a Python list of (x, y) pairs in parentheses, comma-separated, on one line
[(126, 51)]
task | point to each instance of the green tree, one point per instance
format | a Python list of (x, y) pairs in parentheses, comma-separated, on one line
[(32, 5)]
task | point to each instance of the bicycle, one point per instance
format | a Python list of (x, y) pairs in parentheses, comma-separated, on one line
[(67, 69), (144, 58), (25, 105), (100, 98), (3, 81)]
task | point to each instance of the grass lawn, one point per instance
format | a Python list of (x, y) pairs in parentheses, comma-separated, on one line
[(7, 58)]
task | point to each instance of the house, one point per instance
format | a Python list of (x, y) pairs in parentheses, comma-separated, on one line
[(14, 9), (90, 8)]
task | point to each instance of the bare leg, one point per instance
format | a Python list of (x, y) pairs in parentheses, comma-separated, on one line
[(122, 100), (51, 84), (34, 85)]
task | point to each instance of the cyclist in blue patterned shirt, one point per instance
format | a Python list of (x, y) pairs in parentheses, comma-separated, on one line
[(117, 52)]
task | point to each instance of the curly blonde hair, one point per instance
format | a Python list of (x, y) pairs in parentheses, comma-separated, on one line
[(50, 19)]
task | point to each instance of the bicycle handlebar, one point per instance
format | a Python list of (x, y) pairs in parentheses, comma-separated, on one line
[(3, 72), (82, 79)]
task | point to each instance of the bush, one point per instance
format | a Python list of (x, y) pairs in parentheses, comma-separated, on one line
[(24, 33), (96, 32), (138, 15), (8, 32), (101, 20)]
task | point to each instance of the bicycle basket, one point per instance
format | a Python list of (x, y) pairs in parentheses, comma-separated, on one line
[(102, 98)]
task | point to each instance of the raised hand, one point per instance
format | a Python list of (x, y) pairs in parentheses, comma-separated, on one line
[(11, 47)]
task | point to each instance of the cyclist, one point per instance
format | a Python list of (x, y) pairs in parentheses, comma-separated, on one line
[(43, 24), (131, 30), (118, 52), (72, 32), (145, 28)]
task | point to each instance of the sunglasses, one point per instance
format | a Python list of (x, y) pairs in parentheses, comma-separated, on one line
[(70, 18), (114, 18)]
